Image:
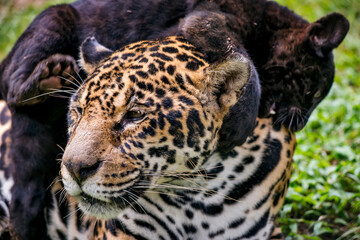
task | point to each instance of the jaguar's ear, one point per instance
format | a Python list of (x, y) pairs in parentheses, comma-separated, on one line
[(327, 33), (91, 53), (223, 83), (240, 121), (231, 85), (233, 91)]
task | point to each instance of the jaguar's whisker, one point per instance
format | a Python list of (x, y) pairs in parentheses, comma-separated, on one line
[(159, 192), (56, 180), (134, 198), (62, 198), (38, 96), (72, 213), (197, 189), (80, 78), (70, 91), (132, 206), (59, 146), (291, 120), (73, 82)]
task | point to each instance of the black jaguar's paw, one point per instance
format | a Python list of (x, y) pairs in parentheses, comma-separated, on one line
[(58, 71), (49, 76)]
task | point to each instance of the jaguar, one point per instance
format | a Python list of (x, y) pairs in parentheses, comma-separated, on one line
[(293, 57), (142, 159)]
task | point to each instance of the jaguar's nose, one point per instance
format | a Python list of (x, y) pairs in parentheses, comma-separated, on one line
[(82, 170)]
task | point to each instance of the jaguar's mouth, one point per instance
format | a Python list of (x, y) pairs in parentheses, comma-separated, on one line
[(111, 206), (98, 208), (293, 118)]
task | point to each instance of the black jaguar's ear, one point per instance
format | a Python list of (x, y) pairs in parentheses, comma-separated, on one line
[(327, 33), (207, 30), (91, 53)]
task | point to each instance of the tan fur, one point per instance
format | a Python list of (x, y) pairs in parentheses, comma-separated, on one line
[(233, 74)]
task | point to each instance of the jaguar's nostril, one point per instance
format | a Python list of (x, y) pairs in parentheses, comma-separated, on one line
[(84, 171)]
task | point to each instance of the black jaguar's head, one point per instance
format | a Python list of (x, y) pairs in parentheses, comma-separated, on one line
[(300, 70)]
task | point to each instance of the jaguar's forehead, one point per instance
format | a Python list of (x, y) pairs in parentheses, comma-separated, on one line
[(169, 65)]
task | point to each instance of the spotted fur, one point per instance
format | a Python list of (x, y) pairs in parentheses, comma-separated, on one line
[(186, 189), (142, 150), (6, 180), (235, 196)]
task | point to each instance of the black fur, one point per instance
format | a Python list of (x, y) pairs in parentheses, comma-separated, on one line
[(91, 54)]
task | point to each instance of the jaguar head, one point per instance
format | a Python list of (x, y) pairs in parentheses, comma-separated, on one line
[(300, 69), (146, 113)]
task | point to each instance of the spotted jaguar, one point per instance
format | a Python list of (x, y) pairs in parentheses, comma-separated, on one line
[(142, 159), (142, 152), (263, 164)]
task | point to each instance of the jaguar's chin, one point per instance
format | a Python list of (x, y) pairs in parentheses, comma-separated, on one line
[(110, 206), (103, 209), (98, 208)]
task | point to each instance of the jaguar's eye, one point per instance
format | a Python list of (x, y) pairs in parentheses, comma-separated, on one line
[(134, 115), (131, 117), (317, 94)]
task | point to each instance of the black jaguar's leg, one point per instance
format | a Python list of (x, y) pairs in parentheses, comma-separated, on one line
[(33, 154), (42, 58), (45, 51)]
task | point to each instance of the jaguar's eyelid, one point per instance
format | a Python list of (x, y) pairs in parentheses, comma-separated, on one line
[(137, 106), (141, 104)]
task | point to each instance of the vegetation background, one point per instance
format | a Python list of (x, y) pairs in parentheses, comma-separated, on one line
[(323, 201)]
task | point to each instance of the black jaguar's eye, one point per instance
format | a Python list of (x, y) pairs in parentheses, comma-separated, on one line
[(317, 94)]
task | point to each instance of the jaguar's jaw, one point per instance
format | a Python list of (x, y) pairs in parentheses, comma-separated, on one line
[(98, 208), (99, 205), (105, 208)]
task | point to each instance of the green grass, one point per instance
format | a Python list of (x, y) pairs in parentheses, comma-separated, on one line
[(323, 201), (14, 21)]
